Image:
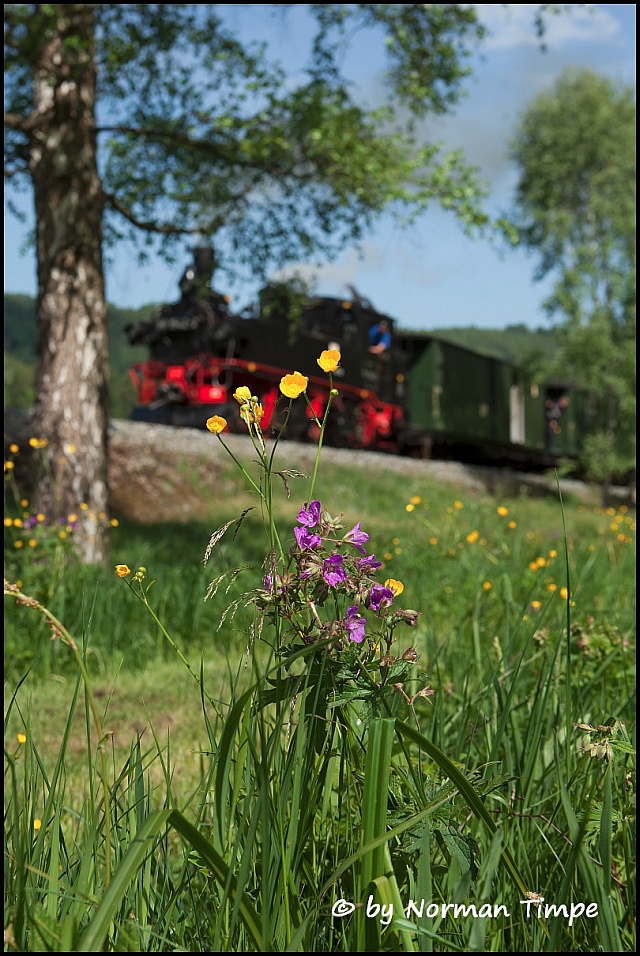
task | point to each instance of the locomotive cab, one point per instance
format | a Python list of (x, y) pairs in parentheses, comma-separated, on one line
[(345, 324)]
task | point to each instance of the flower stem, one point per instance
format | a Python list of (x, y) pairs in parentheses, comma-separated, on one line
[(321, 438)]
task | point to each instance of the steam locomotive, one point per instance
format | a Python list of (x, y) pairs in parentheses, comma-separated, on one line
[(421, 396)]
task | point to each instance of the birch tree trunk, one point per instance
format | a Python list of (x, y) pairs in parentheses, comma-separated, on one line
[(72, 366)]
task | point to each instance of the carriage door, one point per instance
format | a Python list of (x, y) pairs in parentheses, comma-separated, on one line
[(516, 414)]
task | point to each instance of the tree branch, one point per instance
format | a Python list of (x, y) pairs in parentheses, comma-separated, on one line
[(177, 137), (163, 229)]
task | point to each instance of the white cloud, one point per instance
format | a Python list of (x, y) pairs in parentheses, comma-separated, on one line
[(512, 26)]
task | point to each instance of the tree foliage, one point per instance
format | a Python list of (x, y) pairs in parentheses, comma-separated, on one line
[(575, 208), (199, 133)]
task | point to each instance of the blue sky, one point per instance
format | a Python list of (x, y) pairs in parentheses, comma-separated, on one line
[(431, 276)]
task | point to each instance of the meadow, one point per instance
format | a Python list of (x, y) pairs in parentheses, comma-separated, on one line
[(223, 757)]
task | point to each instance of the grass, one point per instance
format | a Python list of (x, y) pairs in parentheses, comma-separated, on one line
[(238, 806)]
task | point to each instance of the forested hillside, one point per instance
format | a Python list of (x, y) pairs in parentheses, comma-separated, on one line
[(20, 351)]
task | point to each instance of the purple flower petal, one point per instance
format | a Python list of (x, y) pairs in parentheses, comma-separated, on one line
[(306, 540), (357, 538), (333, 571), (309, 515), (379, 597), (355, 624), (369, 563)]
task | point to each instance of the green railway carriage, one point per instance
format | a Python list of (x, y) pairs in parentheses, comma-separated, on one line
[(477, 405)]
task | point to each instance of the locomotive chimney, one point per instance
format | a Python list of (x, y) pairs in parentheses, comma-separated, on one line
[(196, 279)]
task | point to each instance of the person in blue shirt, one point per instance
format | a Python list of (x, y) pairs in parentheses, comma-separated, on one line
[(380, 337)]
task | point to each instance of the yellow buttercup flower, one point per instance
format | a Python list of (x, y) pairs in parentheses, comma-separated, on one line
[(37, 824), (473, 536), (122, 570), (293, 385), (14, 449), (502, 511), (242, 395), (396, 586), (486, 585), (329, 360), (216, 424), (22, 738)]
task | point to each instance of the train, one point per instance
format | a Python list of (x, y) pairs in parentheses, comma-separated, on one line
[(421, 396)]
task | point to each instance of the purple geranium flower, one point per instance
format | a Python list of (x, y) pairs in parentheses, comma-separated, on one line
[(332, 570), (379, 596), (357, 538), (355, 624), (369, 563), (310, 514), (306, 540)]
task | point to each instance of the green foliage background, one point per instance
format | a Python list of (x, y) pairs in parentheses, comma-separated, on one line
[(20, 353), (575, 208)]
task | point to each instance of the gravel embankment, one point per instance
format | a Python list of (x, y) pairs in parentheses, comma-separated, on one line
[(157, 472)]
